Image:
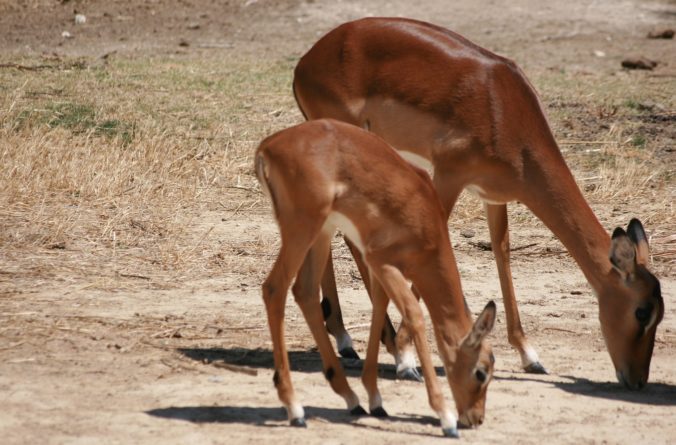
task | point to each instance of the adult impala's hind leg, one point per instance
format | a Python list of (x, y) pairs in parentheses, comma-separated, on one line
[(306, 292), (402, 350), (499, 230), (332, 313)]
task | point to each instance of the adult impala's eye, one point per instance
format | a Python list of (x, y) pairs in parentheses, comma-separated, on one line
[(643, 315), (480, 375)]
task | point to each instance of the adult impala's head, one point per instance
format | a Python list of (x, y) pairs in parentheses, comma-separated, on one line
[(631, 307), (472, 370)]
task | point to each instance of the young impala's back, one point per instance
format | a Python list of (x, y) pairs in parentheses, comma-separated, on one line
[(323, 175)]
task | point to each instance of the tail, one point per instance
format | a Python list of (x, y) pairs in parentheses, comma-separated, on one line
[(262, 173)]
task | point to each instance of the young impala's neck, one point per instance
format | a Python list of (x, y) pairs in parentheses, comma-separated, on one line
[(440, 288), (555, 198)]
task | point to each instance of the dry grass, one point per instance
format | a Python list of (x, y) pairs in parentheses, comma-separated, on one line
[(128, 168)]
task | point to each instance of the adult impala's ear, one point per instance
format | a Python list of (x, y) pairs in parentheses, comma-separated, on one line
[(623, 254), (482, 326), (639, 238)]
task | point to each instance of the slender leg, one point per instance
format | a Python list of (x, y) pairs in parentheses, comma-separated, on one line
[(306, 292), (275, 289), (499, 230), (369, 375), (401, 350), (397, 288), (332, 313)]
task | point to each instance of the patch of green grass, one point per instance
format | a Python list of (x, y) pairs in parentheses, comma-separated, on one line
[(638, 140), (76, 117)]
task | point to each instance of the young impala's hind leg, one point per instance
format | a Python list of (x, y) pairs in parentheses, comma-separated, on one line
[(306, 292), (499, 230), (275, 289)]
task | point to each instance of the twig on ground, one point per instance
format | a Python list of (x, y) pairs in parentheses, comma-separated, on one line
[(236, 368)]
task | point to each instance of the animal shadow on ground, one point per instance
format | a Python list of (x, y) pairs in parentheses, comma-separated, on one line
[(262, 416), (300, 361), (659, 394)]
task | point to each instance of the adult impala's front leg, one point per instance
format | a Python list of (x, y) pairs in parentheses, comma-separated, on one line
[(496, 214)]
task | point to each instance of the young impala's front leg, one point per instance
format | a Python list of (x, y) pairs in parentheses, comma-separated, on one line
[(306, 292), (397, 288), (499, 230), (369, 375)]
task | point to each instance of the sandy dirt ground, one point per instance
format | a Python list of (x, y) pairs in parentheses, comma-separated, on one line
[(143, 363)]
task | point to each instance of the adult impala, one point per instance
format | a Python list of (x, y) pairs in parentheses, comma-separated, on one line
[(472, 116), (316, 176)]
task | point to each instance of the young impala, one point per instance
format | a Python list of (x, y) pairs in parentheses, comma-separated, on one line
[(323, 175), (447, 104)]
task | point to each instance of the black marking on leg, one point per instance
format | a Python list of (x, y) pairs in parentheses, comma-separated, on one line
[(358, 411), (299, 422), (329, 373), (326, 308), (535, 368), (349, 353), (275, 378), (379, 412)]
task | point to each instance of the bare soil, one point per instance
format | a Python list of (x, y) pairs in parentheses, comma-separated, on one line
[(143, 359)]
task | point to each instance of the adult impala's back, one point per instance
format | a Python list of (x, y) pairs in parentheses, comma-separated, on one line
[(446, 103)]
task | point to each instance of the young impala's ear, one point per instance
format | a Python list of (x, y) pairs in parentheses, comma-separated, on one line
[(623, 254), (482, 326), (639, 238)]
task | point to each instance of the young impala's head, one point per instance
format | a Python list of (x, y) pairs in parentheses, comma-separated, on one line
[(631, 307), (472, 370)]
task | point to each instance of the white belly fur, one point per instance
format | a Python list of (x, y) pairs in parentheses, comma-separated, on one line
[(415, 159), (342, 222)]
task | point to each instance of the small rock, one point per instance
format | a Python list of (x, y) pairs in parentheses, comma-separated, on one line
[(66, 35), (599, 53), (193, 26), (468, 233), (80, 19), (576, 292), (661, 34), (639, 63), (183, 42)]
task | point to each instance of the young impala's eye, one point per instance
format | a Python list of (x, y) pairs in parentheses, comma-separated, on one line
[(480, 375), (643, 315)]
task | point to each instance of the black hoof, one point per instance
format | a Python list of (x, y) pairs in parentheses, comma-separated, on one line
[(379, 412), (409, 374), (535, 368), (451, 432), (348, 353), (358, 411), (299, 422)]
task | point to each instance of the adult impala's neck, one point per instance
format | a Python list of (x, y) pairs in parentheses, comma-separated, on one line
[(553, 195)]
